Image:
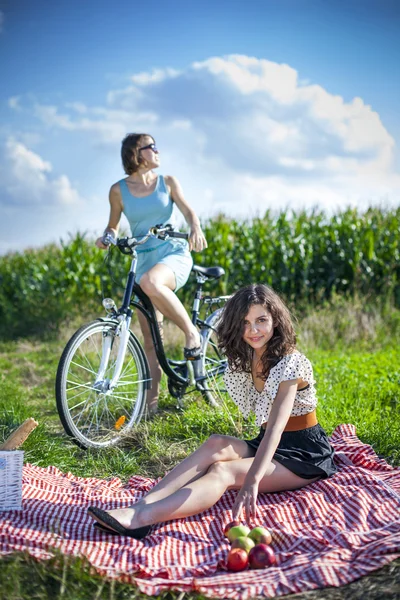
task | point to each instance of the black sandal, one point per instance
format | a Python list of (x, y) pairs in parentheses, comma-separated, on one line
[(192, 353), (106, 521)]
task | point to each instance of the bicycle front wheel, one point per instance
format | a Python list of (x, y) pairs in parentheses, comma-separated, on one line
[(213, 363), (91, 413)]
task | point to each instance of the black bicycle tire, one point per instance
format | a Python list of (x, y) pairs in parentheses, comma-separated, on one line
[(60, 404)]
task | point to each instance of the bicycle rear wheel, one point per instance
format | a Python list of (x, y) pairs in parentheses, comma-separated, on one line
[(92, 414), (213, 363)]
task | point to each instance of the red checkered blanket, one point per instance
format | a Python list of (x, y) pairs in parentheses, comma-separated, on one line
[(326, 534)]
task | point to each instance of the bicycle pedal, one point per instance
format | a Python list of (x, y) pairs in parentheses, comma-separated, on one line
[(192, 354)]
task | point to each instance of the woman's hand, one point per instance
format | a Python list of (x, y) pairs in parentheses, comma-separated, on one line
[(197, 241), (100, 244), (247, 500)]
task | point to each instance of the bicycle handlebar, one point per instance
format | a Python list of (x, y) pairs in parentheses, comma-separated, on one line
[(163, 232), (127, 244)]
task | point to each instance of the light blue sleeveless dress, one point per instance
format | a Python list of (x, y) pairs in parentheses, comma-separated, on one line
[(144, 213)]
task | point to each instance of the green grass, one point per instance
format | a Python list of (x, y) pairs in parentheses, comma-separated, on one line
[(358, 381)]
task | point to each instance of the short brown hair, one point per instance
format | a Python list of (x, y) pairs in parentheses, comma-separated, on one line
[(231, 327), (130, 155)]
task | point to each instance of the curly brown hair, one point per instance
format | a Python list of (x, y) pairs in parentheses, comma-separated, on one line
[(130, 155), (230, 329)]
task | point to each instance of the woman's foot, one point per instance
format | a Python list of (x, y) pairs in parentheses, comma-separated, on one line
[(192, 353), (128, 517), (152, 408), (192, 349), (109, 524)]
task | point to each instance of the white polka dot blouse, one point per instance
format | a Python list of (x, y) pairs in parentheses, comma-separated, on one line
[(241, 388)]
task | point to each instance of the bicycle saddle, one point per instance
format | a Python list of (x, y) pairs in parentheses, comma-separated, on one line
[(210, 272)]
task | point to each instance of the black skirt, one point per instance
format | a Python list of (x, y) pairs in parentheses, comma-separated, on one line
[(307, 453)]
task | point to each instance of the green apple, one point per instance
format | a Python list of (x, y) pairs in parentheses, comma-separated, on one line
[(235, 532), (243, 542), (260, 535), (229, 526)]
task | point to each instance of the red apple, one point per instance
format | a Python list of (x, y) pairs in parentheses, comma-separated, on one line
[(229, 526), (237, 559), (237, 531), (260, 535), (261, 556), (243, 542)]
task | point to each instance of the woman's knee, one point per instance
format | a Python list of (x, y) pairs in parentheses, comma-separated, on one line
[(219, 446), (221, 469), (149, 284), (154, 283)]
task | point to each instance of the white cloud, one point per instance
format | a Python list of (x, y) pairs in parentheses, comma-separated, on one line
[(242, 134), (108, 126), (251, 75), (14, 102), (24, 159), (38, 205), (27, 178), (257, 135), (254, 116), (78, 107), (155, 76)]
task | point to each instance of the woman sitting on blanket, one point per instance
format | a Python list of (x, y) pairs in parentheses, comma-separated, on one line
[(266, 375)]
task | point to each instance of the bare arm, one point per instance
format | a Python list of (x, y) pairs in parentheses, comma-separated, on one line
[(115, 215), (197, 241), (279, 416)]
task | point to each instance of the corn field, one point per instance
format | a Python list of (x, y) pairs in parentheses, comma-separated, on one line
[(308, 258)]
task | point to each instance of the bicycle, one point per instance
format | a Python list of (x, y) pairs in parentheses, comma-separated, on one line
[(103, 374)]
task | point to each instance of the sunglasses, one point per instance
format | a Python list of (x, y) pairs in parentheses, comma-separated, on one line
[(150, 146)]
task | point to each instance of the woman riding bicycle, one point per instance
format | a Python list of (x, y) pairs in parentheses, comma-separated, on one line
[(163, 266)]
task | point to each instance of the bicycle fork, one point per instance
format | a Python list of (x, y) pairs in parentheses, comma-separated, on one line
[(122, 331)]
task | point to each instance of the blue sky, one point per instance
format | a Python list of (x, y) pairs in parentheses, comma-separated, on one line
[(290, 104)]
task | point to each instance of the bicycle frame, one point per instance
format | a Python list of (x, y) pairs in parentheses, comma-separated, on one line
[(147, 309), (124, 315)]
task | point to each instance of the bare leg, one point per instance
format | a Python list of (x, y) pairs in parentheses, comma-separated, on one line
[(158, 283), (216, 448), (192, 499), (155, 369)]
